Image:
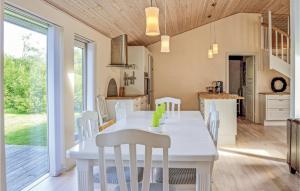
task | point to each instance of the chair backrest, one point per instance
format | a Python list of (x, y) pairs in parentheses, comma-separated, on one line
[(214, 124), (169, 101), (212, 108), (133, 137), (120, 109), (88, 125), (102, 109)]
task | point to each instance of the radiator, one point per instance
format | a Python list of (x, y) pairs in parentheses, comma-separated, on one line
[(293, 142)]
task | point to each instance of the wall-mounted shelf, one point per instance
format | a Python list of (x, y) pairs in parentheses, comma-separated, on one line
[(128, 66)]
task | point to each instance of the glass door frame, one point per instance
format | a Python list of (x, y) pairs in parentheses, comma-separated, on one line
[(29, 22), (83, 45), (2, 142)]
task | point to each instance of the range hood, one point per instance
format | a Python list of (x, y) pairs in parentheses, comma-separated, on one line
[(119, 54)]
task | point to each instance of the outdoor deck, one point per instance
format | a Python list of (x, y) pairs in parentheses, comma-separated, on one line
[(25, 164)]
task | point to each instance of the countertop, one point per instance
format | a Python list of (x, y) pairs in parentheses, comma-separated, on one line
[(125, 97), (206, 95), (274, 93)]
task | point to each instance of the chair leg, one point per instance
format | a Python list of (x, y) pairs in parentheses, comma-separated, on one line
[(211, 176)]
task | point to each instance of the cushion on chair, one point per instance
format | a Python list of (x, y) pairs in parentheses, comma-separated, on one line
[(153, 187), (107, 124), (112, 178), (176, 175)]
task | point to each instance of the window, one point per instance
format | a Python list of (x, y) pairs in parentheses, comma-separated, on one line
[(80, 95), (25, 98)]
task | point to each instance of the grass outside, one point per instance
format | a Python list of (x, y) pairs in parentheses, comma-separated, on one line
[(26, 129)]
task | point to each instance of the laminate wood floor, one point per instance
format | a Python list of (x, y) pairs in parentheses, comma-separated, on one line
[(256, 163)]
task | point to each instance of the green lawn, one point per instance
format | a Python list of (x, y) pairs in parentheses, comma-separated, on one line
[(26, 129)]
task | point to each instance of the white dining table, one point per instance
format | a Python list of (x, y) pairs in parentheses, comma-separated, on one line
[(191, 147)]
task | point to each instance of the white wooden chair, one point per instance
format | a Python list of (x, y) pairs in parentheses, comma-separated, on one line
[(214, 124), (132, 138), (89, 129), (181, 176), (120, 109), (88, 123), (102, 109), (212, 109), (169, 101)]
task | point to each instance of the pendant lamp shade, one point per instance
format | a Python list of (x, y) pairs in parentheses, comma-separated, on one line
[(210, 53), (152, 21), (165, 43), (215, 48)]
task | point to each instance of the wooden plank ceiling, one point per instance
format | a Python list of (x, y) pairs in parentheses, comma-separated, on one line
[(115, 17)]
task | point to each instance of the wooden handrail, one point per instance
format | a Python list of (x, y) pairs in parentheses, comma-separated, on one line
[(276, 29)]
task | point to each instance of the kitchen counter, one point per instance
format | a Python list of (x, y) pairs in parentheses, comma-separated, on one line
[(226, 105), (206, 95), (125, 97), (275, 93), (130, 102)]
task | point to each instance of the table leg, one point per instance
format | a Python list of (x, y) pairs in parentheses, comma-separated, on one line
[(203, 176), (85, 175)]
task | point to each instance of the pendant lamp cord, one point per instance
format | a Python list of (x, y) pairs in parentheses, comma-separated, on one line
[(210, 34), (214, 11), (165, 17)]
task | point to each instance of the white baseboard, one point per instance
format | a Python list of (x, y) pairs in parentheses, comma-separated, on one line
[(275, 123)]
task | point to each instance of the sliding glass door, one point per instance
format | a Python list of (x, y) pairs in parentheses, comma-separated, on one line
[(25, 100)]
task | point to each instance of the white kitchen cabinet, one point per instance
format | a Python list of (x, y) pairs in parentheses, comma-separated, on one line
[(228, 118), (132, 103), (139, 57), (275, 109)]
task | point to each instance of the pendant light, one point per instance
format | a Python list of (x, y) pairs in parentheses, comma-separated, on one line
[(210, 53), (165, 39), (210, 50), (152, 21), (215, 46)]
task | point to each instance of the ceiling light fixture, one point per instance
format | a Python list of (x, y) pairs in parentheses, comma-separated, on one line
[(215, 46), (210, 53), (152, 21), (210, 50), (165, 39)]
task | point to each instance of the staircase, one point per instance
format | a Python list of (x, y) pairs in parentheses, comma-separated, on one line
[(275, 47)]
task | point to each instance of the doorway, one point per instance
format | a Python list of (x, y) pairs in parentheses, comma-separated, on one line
[(242, 82)]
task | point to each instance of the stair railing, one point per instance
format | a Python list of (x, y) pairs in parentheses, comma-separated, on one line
[(275, 41)]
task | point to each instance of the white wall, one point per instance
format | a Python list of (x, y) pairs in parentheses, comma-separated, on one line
[(295, 59), (71, 27), (186, 69)]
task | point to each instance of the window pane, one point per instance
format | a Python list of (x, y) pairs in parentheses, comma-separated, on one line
[(79, 59), (25, 99)]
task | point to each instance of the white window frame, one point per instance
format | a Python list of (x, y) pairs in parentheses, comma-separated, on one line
[(80, 43), (55, 89), (2, 143), (56, 100), (89, 72)]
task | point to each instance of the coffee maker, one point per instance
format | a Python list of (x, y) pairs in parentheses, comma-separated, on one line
[(218, 86)]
